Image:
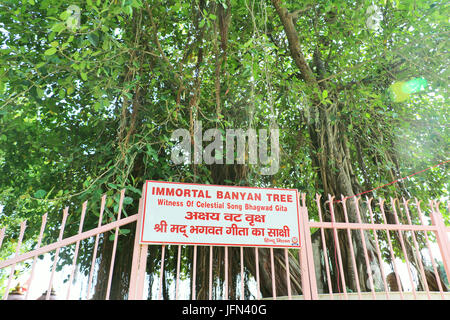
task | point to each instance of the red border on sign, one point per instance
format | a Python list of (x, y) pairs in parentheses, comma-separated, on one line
[(218, 244)]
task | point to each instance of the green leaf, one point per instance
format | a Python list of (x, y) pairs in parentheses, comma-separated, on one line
[(128, 10), (50, 51), (112, 185), (40, 194), (70, 90), (64, 15), (127, 200), (40, 92), (124, 231), (58, 27), (84, 76), (134, 190), (93, 39), (137, 3)]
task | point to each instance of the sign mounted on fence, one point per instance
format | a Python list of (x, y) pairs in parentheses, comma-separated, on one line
[(185, 213)]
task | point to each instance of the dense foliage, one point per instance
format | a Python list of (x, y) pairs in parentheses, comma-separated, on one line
[(90, 108)]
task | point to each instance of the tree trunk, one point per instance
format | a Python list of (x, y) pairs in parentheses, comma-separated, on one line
[(330, 153), (122, 267)]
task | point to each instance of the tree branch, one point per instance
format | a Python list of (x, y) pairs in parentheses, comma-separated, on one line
[(294, 43)]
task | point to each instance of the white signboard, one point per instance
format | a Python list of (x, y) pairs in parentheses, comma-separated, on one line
[(185, 213)]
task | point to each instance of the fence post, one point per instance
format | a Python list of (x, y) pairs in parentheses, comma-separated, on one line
[(441, 236), (139, 260), (13, 267), (303, 258), (309, 279)]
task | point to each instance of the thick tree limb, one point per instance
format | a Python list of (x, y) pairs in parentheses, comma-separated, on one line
[(294, 43)]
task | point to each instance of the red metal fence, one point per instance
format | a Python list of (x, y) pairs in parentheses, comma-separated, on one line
[(351, 249)]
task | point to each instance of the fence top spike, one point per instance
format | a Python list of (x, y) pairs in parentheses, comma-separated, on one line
[(393, 200), (303, 198), (23, 225), (406, 202), (417, 202)]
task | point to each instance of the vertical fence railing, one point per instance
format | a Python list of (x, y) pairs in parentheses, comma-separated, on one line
[(399, 237), (362, 246), (61, 243)]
